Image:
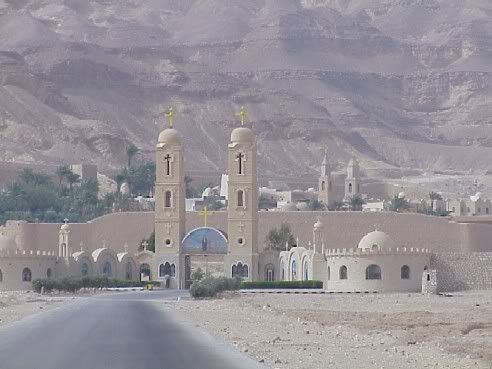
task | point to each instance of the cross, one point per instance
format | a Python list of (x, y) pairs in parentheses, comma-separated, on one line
[(242, 115), (170, 115), (145, 244), (205, 213), (168, 159), (240, 158)]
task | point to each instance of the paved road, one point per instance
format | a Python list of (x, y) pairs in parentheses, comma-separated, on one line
[(119, 331)]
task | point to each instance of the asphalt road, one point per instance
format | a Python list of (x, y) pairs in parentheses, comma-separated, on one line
[(119, 331)]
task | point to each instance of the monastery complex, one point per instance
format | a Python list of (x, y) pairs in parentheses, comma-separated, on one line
[(348, 251)]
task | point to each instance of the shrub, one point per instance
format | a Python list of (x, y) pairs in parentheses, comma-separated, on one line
[(72, 284), (211, 286), (282, 284)]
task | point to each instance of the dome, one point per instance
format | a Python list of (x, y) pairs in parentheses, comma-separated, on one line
[(289, 207), (376, 240), (242, 134), (7, 243), (170, 136)]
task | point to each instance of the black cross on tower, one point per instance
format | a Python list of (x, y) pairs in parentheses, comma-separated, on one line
[(168, 163), (240, 158)]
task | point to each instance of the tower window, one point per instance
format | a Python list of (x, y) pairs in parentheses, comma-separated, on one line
[(342, 274), (168, 160), (240, 163), (168, 199), (26, 275), (405, 272), (373, 272), (323, 186), (240, 198), (350, 188)]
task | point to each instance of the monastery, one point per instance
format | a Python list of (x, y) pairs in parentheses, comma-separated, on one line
[(348, 251)]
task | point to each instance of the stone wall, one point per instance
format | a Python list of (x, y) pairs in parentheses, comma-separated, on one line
[(459, 271)]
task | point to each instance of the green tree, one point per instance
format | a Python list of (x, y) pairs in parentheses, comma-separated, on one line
[(150, 242), (316, 205), (190, 191), (278, 238), (131, 151), (355, 202), (72, 179), (62, 172), (265, 202), (398, 204), (119, 179), (336, 205)]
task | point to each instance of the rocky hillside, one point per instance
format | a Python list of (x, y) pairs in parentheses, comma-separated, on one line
[(398, 83)]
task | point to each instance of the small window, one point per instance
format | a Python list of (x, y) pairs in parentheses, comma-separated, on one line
[(428, 277), (306, 270), (487, 210), (350, 187), (168, 199), (293, 269), (240, 241), (323, 186), (1, 276), (165, 269), (168, 242), (145, 270), (129, 271), (269, 272), (240, 198), (240, 270), (405, 272), (26, 275), (173, 270), (48, 273), (373, 272), (343, 272), (328, 273)]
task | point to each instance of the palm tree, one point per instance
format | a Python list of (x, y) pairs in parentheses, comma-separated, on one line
[(62, 171), (131, 151), (355, 202), (278, 238), (119, 179), (398, 203), (336, 205), (72, 178), (316, 205)]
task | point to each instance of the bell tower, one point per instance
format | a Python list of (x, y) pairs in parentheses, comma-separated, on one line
[(242, 211), (352, 181), (325, 185), (170, 211)]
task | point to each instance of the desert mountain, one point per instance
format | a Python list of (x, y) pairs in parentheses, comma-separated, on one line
[(397, 83)]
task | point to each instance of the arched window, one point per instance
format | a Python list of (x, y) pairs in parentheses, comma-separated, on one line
[(350, 187), (165, 269), (84, 269), (328, 273), (306, 270), (129, 270), (1, 276), (107, 269), (282, 270), (168, 197), (145, 270), (293, 271), (269, 272), (343, 272), (26, 275), (405, 272), (373, 272), (323, 186), (48, 273), (487, 211), (240, 198), (64, 249), (173, 270), (240, 270)]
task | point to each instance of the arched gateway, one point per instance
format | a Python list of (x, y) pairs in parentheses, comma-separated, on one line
[(202, 242)]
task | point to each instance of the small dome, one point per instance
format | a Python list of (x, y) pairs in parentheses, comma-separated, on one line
[(242, 134), (170, 136), (402, 195), (376, 240), (289, 207), (318, 224), (7, 243), (65, 227)]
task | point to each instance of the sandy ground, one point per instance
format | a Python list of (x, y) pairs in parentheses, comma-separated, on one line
[(404, 331), (15, 305)]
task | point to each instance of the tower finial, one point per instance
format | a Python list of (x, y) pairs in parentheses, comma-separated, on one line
[(170, 115), (242, 115)]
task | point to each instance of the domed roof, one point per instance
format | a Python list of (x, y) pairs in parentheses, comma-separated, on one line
[(242, 134), (170, 136), (290, 206), (376, 240), (7, 243)]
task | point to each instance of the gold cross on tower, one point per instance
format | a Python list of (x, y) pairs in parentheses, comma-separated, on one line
[(242, 115), (170, 115), (205, 213)]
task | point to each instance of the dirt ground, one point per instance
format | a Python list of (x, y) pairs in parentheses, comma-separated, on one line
[(404, 331)]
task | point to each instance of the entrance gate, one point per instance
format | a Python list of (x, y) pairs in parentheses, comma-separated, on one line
[(202, 242)]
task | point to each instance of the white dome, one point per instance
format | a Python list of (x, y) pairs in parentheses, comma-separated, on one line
[(376, 240), (207, 192), (242, 134), (402, 195), (7, 243), (289, 207), (170, 136)]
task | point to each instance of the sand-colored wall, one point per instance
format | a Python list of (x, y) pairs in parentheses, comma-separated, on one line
[(341, 230), (12, 267)]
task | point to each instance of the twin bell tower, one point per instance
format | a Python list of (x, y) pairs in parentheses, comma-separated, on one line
[(242, 209)]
